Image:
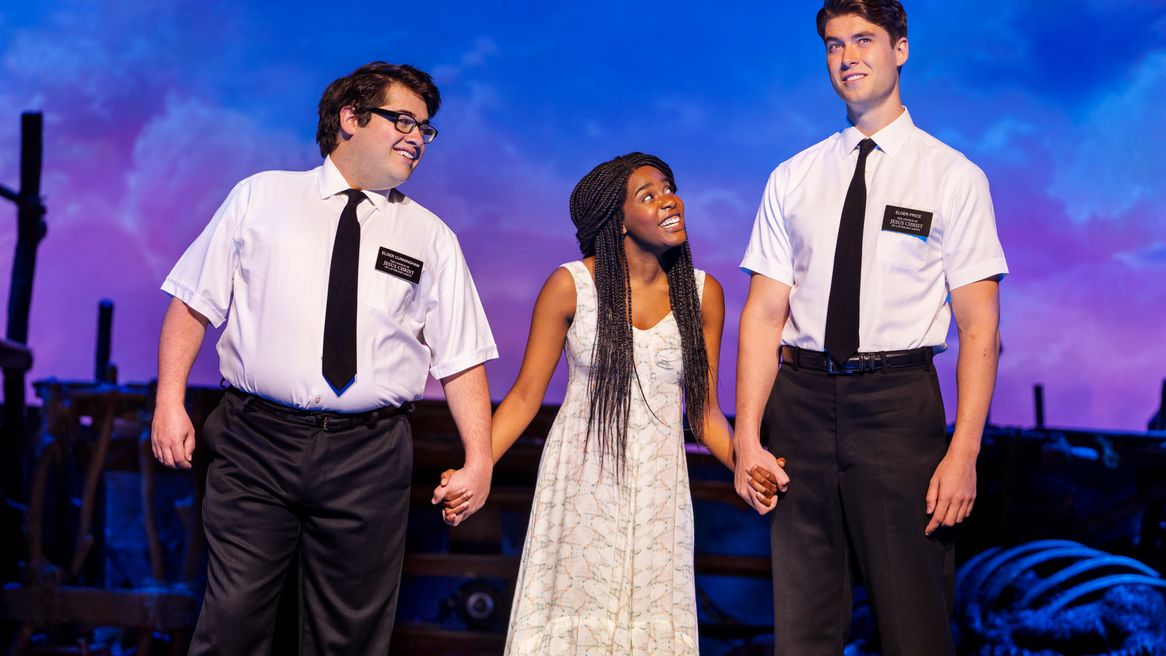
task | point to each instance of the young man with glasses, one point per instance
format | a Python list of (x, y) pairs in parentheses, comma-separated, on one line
[(340, 296), (864, 247)]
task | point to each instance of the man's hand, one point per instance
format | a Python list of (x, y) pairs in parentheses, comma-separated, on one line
[(767, 483), (462, 492), (171, 433), (952, 491), (455, 501), (469, 403), (172, 436), (751, 461), (762, 319)]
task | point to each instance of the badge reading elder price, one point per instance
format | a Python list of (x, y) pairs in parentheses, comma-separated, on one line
[(399, 265), (907, 221)]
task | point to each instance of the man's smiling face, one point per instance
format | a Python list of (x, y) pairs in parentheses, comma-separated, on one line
[(863, 62), (383, 156)]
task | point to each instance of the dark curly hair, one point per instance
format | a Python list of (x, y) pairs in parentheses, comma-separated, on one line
[(887, 14), (597, 211), (364, 88)]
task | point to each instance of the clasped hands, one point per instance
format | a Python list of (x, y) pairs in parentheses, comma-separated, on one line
[(763, 481), (758, 477), (764, 485), (462, 492)]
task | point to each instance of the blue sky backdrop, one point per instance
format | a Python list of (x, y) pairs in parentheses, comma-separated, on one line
[(153, 110)]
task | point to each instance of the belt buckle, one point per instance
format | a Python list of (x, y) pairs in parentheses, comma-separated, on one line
[(835, 370), (867, 363)]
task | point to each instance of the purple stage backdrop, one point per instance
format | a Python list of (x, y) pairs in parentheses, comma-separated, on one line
[(153, 110)]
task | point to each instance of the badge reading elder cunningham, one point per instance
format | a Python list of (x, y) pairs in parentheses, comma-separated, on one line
[(907, 221), (399, 265)]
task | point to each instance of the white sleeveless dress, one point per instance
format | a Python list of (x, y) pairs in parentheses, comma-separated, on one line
[(607, 566)]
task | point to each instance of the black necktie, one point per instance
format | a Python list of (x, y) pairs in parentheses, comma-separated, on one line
[(339, 364), (842, 311)]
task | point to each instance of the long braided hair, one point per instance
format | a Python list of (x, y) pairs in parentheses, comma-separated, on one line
[(597, 211)]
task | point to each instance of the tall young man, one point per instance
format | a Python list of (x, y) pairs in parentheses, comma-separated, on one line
[(864, 247), (340, 296)]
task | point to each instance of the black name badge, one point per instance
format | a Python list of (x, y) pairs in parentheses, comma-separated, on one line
[(907, 221), (399, 265)]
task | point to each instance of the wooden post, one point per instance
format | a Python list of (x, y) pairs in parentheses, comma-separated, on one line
[(1038, 401), (30, 230), (1158, 421), (101, 371)]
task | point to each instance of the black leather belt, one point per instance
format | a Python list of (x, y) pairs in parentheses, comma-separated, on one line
[(329, 421), (860, 363)]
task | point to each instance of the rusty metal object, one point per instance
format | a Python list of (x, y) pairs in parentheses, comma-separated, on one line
[(1051, 595)]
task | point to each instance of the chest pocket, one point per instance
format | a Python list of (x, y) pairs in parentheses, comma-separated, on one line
[(906, 238), (386, 294), (902, 252)]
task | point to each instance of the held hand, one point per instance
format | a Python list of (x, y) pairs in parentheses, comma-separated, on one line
[(455, 501), (172, 436), (462, 492), (952, 491), (767, 483), (749, 459)]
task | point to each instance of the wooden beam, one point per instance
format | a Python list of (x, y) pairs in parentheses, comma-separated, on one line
[(755, 567), (461, 565), (409, 638), (43, 606)]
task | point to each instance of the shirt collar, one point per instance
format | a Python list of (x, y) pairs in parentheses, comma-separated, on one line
[(891, 139), (332, 182)]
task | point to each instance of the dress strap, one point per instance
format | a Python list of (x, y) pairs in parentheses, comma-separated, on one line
[(580, 274)]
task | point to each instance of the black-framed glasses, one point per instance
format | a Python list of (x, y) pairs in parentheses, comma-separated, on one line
[(406, 124)]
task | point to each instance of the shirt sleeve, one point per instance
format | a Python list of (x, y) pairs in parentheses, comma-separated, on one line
[(203, 275), (971, 247), (769, 252), (456, 330)]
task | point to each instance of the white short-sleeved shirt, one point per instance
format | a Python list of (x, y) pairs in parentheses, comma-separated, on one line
[(908, 266), (262, 265)]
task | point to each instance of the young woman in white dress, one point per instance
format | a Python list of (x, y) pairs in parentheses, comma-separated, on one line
[(607, 566)]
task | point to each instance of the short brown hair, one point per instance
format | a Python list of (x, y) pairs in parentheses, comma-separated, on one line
[(887, 14), (364, 88)]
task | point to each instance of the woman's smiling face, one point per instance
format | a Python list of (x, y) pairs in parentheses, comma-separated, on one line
[(653, 215)]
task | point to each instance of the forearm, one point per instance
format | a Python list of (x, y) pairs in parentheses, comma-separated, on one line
[(718, 437), (183, 330), (513, 416), (468, 396), (975, 381), (757, 345)]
